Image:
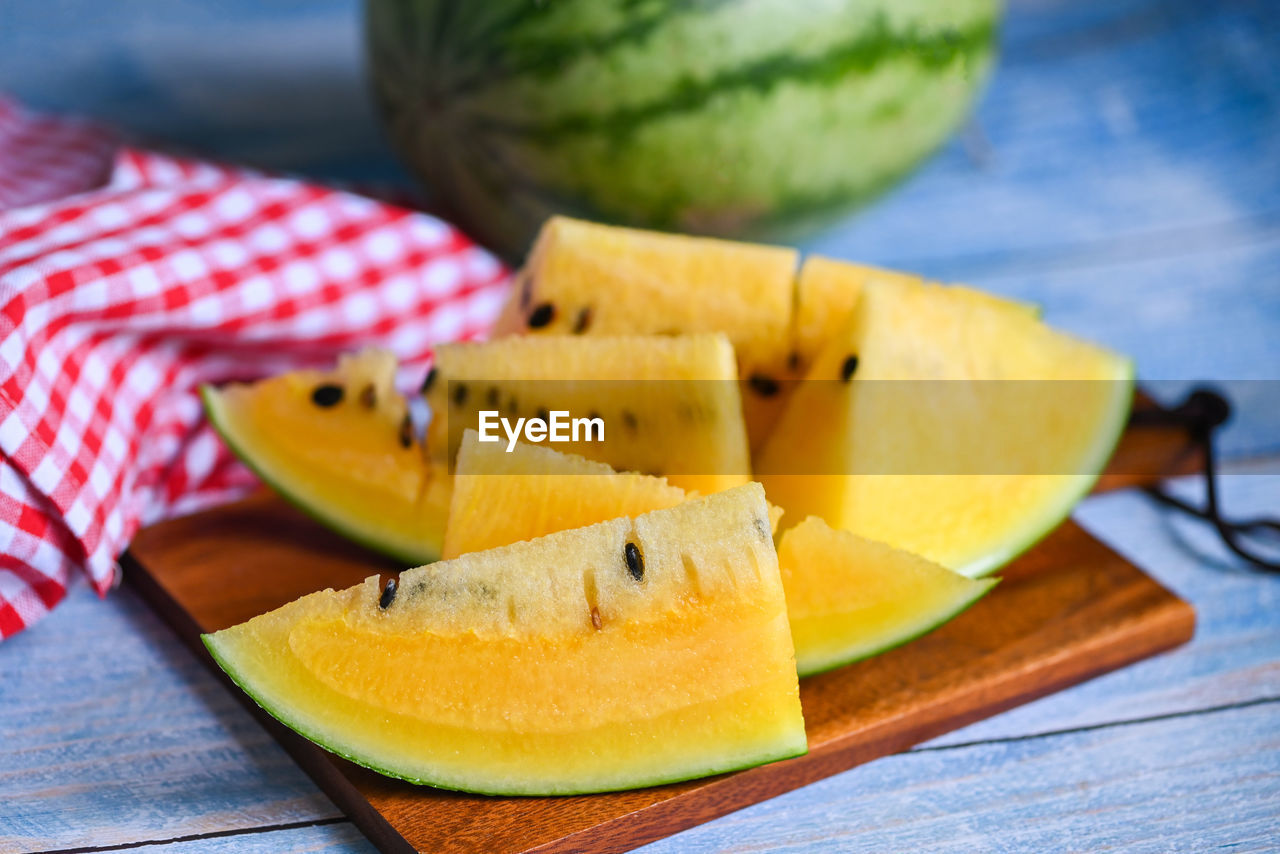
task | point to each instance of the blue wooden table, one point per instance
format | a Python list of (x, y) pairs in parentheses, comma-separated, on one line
[(1123, 171)]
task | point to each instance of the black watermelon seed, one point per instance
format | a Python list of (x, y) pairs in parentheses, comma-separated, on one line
[(629, 420), (850, 365), (512, 409), (459, 394), (635, 563), (388, 594), (493, 397), (542, 414), (542, 315), (583, 321), (369, 396), (327, 395), (594, 416), (406, 431), (427, 383), (793, 361), (763, 385), (596, 622)]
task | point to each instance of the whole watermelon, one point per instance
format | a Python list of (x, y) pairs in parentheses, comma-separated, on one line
[(749, 118)]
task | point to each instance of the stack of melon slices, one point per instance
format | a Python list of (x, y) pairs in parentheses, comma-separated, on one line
[(621, 613)]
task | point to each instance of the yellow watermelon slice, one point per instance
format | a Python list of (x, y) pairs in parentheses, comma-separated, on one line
[(339, 445), (584, 278), (850, 598), (847, 598), (669, 404), (502, 497), (628, 653), (947, 426)]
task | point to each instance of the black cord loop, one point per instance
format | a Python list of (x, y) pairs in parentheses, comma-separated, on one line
[(1201, 414)]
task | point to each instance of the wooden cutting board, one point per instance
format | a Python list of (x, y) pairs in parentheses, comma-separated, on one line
[(1068, 610)]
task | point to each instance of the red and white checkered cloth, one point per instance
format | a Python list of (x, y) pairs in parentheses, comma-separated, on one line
[(129, 278)]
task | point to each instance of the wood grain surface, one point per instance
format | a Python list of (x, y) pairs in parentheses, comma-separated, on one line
[(1068, 610)]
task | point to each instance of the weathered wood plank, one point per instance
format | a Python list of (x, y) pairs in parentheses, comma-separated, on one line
[(1105, 121), (1235, 654), (262, 83), (1183, 320), (340, 838), (112, 732), (1192, 783)]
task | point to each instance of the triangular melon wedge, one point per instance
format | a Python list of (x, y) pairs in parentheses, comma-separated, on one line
[(847, 598), (946, 426), (628, 653), (585, 278), (502, 497), (338, 444), (827, 292), (670, 405), (850, 598)]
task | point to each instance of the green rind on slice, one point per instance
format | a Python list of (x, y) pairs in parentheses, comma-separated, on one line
[(862, 648), (850, 598), (383, 540), (964, 431), (551, 666), (1042, 524), (281, 714)]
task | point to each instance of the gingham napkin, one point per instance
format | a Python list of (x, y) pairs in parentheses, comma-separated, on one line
[(127, 278)]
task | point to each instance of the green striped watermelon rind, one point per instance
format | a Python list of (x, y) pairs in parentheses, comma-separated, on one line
[(504, 165)]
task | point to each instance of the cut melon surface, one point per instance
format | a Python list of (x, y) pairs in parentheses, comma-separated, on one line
[(645, 389), (502, 497), (554, 666), (946, 426), (585, 278), (827, 292), (352, 463), (850, 598)]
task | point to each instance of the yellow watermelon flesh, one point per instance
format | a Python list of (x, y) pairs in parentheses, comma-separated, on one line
[(827, 292), (850, 598), (847, 598), (963, 433), (502, 497), (628, 653), (592, 279), (588, 278), (670, 404), (585, 278), (338, 444)]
